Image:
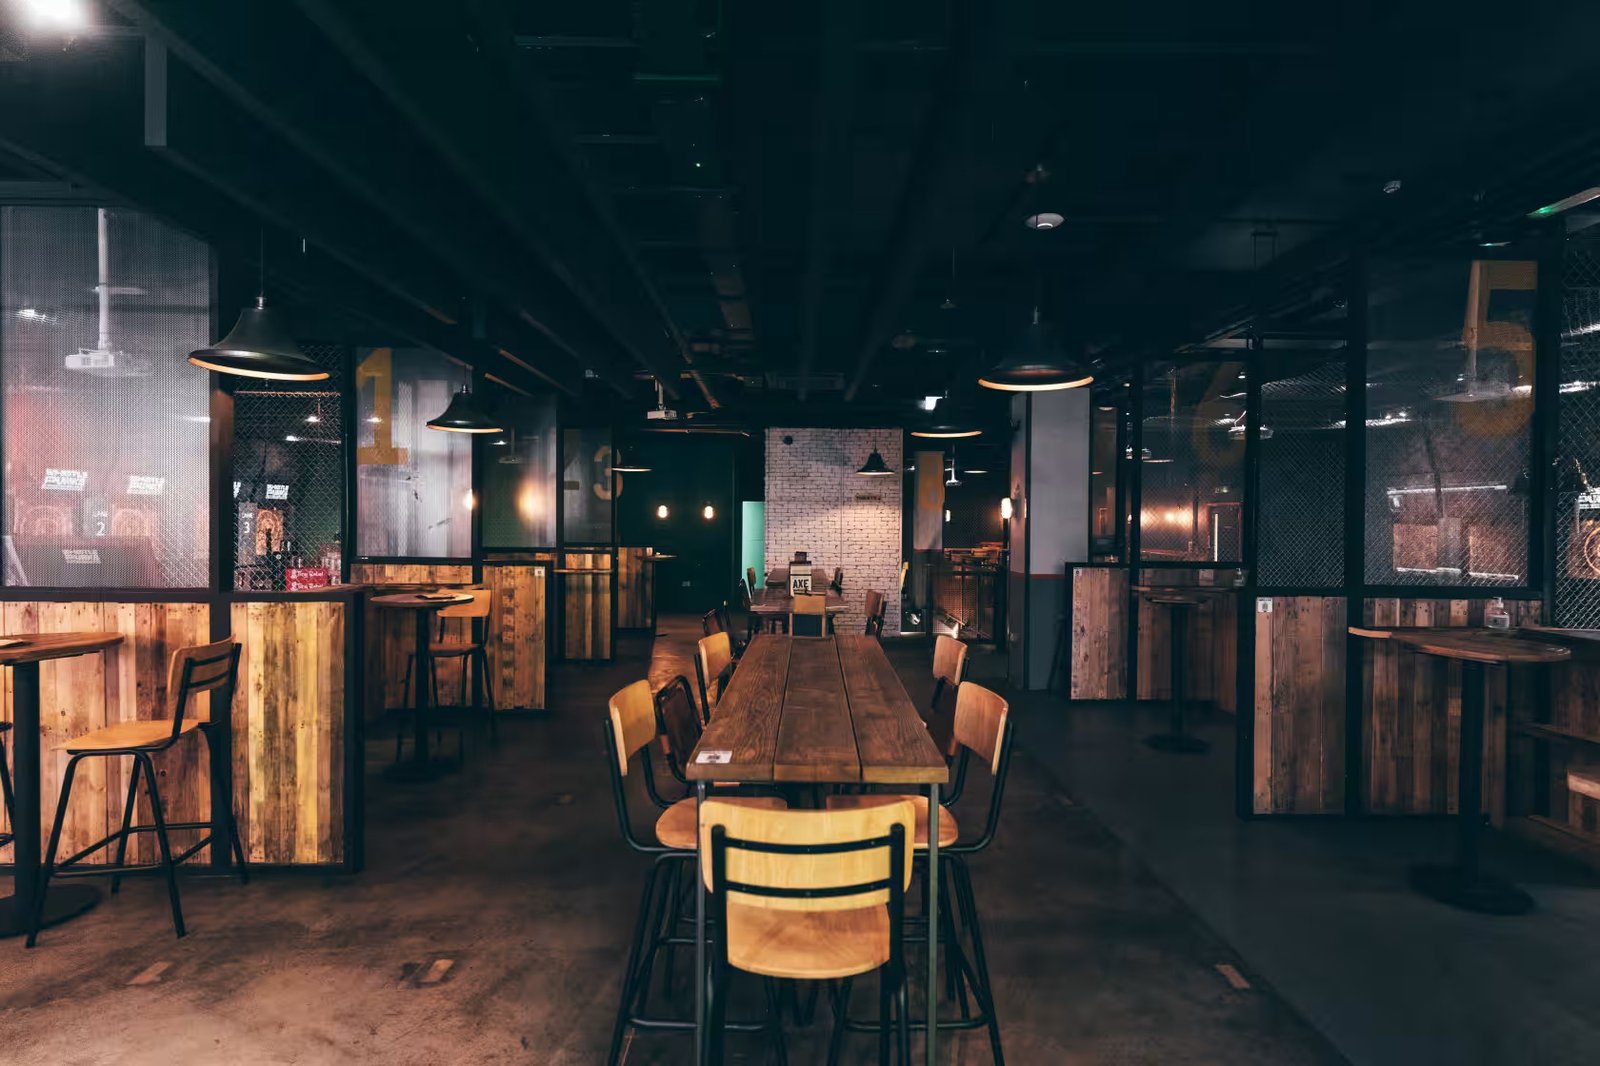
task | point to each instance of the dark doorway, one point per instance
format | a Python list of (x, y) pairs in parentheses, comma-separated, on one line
[(688, 473)]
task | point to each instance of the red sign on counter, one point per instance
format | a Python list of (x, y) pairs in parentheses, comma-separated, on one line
[(305, 578)]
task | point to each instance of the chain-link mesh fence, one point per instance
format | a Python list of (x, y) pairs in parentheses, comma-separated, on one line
[(1192, 463), (1449, 409), (105, 418), (289, 478), (1577, 488), (1300, 480)]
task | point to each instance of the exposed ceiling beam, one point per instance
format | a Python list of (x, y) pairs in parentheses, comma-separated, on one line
[(431, 70), (1104, 46), (969, 83), (831, 122)]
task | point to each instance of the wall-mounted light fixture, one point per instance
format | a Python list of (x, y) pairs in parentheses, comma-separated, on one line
[(709, 512), (1005, 508), (661, 511), (947, 514)]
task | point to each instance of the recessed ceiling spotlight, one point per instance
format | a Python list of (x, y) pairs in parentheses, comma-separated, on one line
[(1391, 186), (57, 14), (1044, 220)]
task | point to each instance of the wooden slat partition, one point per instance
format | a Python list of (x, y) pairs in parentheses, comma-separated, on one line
[(635, 588), (289, 730), (1411, 708), (1299, 764), (89, 692), (1213, 637), (1099, 668), (586, 607), (391, 635), (516, 634)]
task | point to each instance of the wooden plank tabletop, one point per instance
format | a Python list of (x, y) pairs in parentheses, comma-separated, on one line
[(746, 720), (778, 601), (38, 647), (816, 736), (818, 710), (892, 741), (1482, 646)]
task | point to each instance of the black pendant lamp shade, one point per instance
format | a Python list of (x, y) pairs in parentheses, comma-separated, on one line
[(1037, 365), (946, 431), (464, 416), (259, 346), (620, 464), (874, 466)]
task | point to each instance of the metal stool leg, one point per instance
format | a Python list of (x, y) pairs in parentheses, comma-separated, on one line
[(166, 845), (629, 974), (50, 852), (9, 797), (980, 962), (127, 822)]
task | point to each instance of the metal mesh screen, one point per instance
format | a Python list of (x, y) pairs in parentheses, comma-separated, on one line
[(105, 419), (587, 486), (289, 479), (1192, 455), (1449, 405), (1577, 514), (1300, 479), (413, 484)]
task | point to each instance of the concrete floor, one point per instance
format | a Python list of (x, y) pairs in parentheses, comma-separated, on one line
[(513, 869)]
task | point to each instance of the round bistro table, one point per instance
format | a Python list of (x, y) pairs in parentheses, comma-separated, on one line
[(421, 766)]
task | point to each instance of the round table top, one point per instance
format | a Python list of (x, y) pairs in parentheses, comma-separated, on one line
[(1483, 646), (1186, 590), (37, 647), (427, 601)]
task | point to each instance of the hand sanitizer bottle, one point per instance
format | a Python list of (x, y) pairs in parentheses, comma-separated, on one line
[(1495, 616)]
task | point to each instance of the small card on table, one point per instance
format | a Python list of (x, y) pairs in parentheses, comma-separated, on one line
[(714, 757)]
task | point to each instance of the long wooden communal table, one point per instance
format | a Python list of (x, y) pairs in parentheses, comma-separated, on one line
[(827, 710)]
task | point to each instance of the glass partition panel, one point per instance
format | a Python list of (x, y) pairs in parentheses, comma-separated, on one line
[(519, 476), (1103, 470), (1192, 463), (413, 484), (1449, 405), (106, 435), (1300, 479), (1577, 487), (587, 485)]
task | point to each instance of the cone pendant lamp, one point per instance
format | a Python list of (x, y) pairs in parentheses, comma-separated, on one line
[(259, 346), (1037, 365)]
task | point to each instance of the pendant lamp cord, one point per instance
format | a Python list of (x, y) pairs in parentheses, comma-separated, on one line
[(261, 267)]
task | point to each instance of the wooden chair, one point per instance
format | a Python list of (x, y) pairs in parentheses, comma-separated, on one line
[(837, 584), (630, 726), (875, 611), (474, 656), (983, 728), (6, 794), (949, 670), (808, 616), (212, 668), (725, 620), (713, 667), (750, 579), (810, 896)]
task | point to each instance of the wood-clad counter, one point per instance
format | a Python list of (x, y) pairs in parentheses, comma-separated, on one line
[(294, 729)]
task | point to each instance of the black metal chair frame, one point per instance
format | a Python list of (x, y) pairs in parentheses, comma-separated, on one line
[(440, 719), (6, 794), (893, 1005), (160, 827), (661, 907), (724, 676)]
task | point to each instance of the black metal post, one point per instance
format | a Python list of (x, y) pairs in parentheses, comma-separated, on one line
[(1355, 523)]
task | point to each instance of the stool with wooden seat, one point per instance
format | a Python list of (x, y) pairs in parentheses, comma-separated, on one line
[(630, 726), (6, 795), (809, 896), (875, 610), (949, 671), (209, 668), (713, 667), (474, 657), (982, 728), (808, 615)]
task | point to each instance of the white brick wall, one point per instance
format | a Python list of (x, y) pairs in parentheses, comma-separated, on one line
[(812, 505)]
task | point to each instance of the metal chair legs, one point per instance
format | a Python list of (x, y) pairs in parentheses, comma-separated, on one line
[(7, 796)]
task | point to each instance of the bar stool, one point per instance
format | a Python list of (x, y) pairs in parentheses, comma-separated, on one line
[(875, 612), (713, 667), (8, 797), (808, 616), (629, 728), (949, 671), (809, 896), (1177, 739), (474, 655), (210, 668), (982, 728)]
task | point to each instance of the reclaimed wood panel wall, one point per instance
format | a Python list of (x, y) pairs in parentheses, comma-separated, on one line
[(635, 588), (517, 634), (124, 684), (1099, 669), (1411, 708), (1213, 639), (586, 607), (391, 635), (1299, 764), (289, 730)]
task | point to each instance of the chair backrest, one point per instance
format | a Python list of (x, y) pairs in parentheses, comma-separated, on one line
[(678, 723), (712, 655), (949, 660), (633, 721), (479, 607), (875, 609), (725, 619), (981, 722), (838, 580), (750, 578), (808, 616), (711, 622), (201, 668), (795, 860), (905, 568), (745, 592)]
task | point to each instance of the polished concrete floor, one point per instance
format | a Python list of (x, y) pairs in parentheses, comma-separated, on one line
[(513, 872)]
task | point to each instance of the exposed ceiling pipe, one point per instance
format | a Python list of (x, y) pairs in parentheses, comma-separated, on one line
[(970, 80)]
